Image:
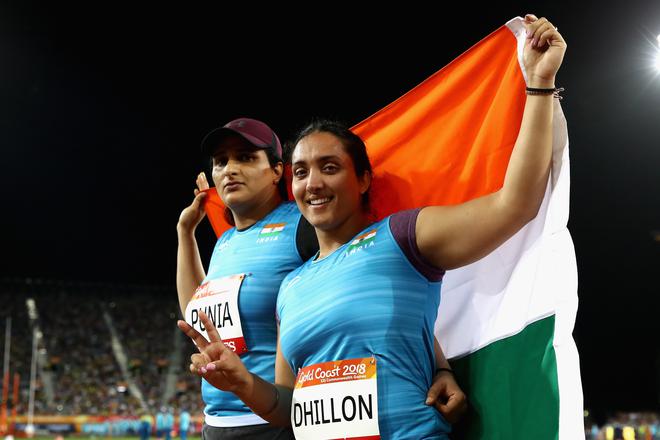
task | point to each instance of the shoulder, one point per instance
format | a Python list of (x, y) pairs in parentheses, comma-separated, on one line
[(403, 227), (295, 273), (286, 212), (284, 294), (293, 278), (288, 208), (403, 219), (227, 234)]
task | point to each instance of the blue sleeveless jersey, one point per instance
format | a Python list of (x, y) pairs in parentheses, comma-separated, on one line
[(367, 299), (266, 252)]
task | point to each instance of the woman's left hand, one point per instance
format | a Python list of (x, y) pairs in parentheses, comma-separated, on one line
[(447, 396), (543, 53)]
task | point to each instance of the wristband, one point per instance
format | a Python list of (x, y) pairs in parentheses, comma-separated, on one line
[(274, 407), (554, 91)]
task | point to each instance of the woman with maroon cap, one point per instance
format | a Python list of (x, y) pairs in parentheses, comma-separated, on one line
[(249, 262)]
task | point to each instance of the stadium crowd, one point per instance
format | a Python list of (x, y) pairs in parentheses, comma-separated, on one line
[(625, 426), (76, 348)]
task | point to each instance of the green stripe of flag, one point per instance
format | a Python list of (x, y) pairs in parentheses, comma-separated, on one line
[(512, 387)]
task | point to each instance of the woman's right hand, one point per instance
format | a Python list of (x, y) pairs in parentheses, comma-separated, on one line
[(192, 215), (216, 363)]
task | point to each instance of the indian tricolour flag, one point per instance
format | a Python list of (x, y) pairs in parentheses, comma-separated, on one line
[(362, 240), (271, 230), (505, 321)]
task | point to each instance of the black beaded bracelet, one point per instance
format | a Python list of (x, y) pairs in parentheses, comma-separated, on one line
[(437, 370), (554, 91)]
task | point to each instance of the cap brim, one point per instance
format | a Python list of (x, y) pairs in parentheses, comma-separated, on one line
[(215, 137)]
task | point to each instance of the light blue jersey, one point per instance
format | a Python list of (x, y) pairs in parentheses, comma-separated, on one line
[(184, 421), (266, 252), (367, 300)]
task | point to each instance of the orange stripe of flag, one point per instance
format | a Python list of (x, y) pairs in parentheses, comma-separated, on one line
[(449, 139), (446, 141)]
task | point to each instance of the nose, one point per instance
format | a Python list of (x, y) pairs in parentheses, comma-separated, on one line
[(314, 181), (231, 168)]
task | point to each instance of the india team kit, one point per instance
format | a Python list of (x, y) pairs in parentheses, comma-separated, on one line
[(344, 331)]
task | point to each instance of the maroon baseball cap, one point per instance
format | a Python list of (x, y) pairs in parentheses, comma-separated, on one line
[(256, 132)]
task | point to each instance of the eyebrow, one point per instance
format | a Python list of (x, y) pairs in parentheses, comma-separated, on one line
[(320, 159)]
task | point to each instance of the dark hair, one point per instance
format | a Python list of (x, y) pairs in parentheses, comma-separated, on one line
[(353, 145), (282, 190), (273, 160)]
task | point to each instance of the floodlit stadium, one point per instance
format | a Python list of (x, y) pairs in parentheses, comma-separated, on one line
[(92, 359)]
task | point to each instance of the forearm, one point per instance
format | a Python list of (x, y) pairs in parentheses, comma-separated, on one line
[(270, 402), (189, 269), (529, 166)]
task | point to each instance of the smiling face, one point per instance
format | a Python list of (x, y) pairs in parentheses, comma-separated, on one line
[(326, 188), (243, 176)]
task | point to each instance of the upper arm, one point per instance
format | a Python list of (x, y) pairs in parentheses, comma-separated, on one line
[(440, 359), (453, 236), (283, 374)]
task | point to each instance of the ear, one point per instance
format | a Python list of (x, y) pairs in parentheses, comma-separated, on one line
[(278, 172), (365, 182)]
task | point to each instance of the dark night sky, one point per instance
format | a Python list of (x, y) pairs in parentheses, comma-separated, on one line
[(102, 109)]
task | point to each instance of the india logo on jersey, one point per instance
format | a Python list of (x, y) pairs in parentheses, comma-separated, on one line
[(270, 232), (362, 241)]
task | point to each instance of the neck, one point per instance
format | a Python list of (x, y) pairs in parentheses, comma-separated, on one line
[(331, 240), (244, 218)]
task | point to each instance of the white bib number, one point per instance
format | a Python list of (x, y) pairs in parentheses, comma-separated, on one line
[(219, 300), (336, 400)]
